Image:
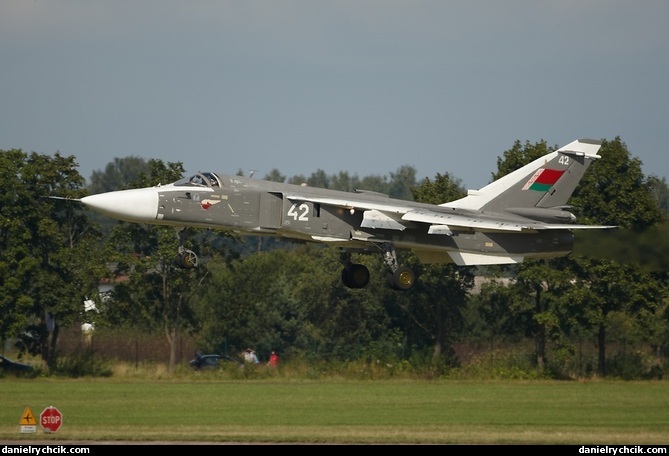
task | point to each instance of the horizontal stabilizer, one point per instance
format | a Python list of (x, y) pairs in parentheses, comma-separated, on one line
[(582, 147), (475, 259)]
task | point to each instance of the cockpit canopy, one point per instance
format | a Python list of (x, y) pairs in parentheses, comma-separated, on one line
[(200, 179)]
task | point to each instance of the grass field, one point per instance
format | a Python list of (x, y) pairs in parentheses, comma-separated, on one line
[(208, 409)]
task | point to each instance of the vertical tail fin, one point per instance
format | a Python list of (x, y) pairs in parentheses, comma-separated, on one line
[(547, 182)]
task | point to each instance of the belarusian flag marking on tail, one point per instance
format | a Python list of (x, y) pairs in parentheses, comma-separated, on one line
[(543, 179)]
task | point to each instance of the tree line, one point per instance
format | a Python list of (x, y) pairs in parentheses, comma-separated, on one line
[(600, 311)]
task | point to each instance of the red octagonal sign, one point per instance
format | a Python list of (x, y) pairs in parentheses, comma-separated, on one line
[(51, 419)]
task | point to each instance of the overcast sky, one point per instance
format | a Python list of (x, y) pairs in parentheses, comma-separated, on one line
[(363, 86)]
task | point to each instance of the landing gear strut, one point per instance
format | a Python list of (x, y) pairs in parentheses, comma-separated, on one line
[(187, 259), (356, 275), (398, 277)]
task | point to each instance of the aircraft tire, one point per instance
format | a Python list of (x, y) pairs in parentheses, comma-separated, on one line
[(187, 259), (402, 279), (355, 276)]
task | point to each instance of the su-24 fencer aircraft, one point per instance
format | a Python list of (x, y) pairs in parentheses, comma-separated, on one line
[(519, 216)]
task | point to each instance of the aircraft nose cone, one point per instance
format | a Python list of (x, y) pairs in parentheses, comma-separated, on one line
[(136, 205)]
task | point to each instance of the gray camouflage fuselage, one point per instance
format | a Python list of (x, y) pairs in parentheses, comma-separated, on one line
[(252, 206)]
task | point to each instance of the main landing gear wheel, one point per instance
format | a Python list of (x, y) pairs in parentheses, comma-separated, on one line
[(399, 277), (355, 275), (187, 259), (403, 278)]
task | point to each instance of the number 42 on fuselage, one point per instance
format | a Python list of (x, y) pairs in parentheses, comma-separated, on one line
[(521, 215)]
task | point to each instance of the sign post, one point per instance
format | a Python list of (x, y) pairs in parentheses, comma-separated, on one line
[(28, 422), (51, 419)]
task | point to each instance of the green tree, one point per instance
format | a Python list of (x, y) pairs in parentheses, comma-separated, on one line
[(434, 310), (494, 315), (614, 191), (660, 191), (319, 179), (158, 293), (298, 180), (251, 302), (348, 324), (374, 183), (118, 174), (520, 155), (275, 176), (543, 282), (436, 304), (606, 288), (344, 182), (647, 248), (49, 263), (402, 182), (291, 301), (443, 189)]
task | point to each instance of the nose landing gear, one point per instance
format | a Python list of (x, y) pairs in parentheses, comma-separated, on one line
[(187, 258)]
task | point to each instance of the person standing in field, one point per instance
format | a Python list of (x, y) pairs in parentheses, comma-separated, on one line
[(250, 356), (273, 360)]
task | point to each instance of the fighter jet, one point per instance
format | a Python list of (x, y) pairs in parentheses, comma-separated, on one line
[(520, 216)]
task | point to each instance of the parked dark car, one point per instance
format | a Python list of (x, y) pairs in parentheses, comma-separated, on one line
[(211, 361), (14, 367)]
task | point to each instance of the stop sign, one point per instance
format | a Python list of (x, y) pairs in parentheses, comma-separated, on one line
[(51, 419)]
